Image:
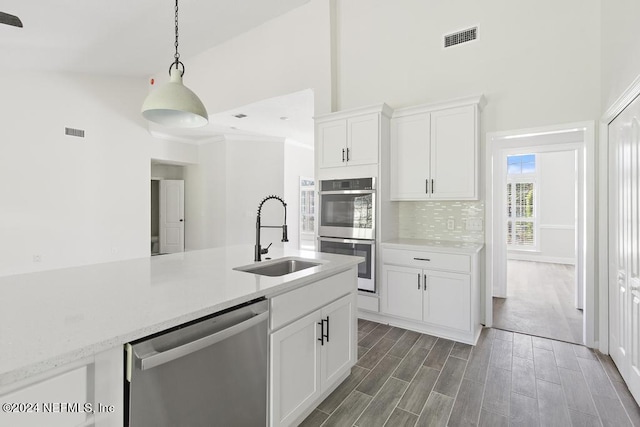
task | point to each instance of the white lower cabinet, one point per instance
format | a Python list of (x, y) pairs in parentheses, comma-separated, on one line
[(308, 357), (433, 292), (439, 298), (84, 393)]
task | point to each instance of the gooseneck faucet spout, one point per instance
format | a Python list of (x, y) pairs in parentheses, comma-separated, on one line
[(258, 249)]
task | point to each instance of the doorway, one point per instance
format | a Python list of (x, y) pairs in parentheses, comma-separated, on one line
[(542, 294), (167, 209), (537, 253)]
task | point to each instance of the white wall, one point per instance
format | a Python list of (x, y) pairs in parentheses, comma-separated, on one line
[(285, 55), (620, 47), (167, 171), (537, 63), (205, 197), (164, 150), (556, 209), (232, 177), (298, 162), (70, 200), (255, 169)]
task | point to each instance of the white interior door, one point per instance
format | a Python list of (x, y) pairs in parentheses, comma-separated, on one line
[(171, 216), (624, 251)]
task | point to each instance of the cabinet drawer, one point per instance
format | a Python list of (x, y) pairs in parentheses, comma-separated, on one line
[(427, 260), (295, 304)]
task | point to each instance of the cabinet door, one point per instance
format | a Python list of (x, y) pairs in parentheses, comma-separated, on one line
[(362, 140), (409, 156), (52, 397), (295, 369), (338, 351), (332, 140), (447, 300), (453, 153), (403, 290)]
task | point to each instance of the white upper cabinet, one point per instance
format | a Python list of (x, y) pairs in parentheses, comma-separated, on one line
[(434, 152), (454, 153), (363, 136), (409, 157), (350, 138), (332, 137)]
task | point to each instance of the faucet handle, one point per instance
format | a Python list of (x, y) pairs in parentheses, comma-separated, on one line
[(266, 250)]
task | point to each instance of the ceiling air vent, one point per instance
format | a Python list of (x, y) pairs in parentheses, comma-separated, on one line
[(74, 132), (240, 116), (459, 37)]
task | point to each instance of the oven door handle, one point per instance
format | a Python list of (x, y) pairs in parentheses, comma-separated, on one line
[(338, 240)]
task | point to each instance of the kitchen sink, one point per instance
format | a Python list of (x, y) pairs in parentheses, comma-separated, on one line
[(279, 267)]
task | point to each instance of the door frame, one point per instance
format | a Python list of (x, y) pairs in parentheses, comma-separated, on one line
[(497, 143), (623, 101)]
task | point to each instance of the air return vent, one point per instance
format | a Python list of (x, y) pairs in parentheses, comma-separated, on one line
[(74, 132), (459, 37)]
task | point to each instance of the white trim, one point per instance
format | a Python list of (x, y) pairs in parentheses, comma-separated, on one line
[(383, 109), (623, 101), (522, 256), (557, 227), (585, 271), (478, 100)]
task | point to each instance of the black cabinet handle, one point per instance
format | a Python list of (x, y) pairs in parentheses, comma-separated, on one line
[(418, 281), (422, 259), (425, 283), (433, 188), (426, 186), (343, 154), (347, 154), (321, 339), (324, 336), (327, 336)]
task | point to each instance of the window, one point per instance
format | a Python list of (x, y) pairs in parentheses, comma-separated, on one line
[(307, 213), (521, 202)]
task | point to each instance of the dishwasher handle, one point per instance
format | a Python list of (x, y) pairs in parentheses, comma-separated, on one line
[(160, 358)]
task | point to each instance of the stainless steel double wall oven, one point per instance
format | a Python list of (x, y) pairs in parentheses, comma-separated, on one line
[(347, 223)]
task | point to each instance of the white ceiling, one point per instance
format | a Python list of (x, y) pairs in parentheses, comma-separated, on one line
[(263, 118), (124, 37), (136, 38)]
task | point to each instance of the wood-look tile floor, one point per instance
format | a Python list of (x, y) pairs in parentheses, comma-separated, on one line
[(540, 301), (404, 378)]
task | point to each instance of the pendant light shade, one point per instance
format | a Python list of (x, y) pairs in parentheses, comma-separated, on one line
[(175, 105)]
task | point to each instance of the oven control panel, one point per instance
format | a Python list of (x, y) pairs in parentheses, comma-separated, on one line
[(347, 184)]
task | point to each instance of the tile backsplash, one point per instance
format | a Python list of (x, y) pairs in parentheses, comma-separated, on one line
[(428, 220)]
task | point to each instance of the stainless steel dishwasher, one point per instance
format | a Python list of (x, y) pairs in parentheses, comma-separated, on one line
[(212, 372)]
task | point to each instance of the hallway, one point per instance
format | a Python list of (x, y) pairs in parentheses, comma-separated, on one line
[(540, 301)]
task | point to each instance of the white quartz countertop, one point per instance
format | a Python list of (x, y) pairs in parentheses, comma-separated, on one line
[(51, 318), (447, 246)]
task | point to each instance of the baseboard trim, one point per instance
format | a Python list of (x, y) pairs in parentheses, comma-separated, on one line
[(424, 328), (548, 259)]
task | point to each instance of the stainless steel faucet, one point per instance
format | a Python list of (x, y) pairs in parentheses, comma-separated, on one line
[(258, 249)]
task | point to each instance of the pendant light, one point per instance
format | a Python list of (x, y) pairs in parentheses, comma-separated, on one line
[(174, 104)]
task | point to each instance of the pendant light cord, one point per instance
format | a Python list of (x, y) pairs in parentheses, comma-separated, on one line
[(177, 55)]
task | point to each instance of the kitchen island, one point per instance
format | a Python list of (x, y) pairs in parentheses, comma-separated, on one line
[(54, 321)]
